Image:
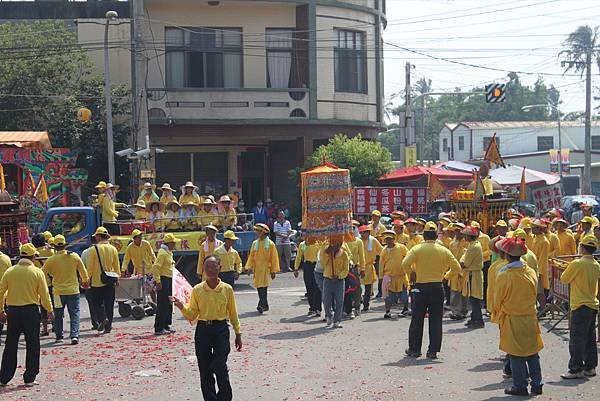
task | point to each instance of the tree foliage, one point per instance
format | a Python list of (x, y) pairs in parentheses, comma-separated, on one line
[(45, 77)]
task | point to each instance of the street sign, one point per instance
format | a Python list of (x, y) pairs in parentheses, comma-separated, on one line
[(495, 93)]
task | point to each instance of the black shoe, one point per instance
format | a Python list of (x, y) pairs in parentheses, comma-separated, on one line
[(378, 295), (100, 326), (468, 323), (365, 308), (44, 333), (260, 309), (266, 308), (431, 355), (412, 354), (387, 315), (537, 390), (477, 325), (516, 391), (94, 326)]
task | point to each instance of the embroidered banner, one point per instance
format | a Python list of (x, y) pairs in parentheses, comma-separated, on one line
[(386, 200)]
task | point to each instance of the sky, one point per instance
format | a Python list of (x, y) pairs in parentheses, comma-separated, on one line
[(511, 35)]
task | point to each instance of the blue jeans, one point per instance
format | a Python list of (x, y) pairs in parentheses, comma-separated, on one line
[(72, 304), (333, 297), (521, 365)]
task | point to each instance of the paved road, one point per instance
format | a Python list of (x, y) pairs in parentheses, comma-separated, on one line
[(289, 357)]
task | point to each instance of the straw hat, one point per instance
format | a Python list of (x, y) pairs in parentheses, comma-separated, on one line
[(140, 203), (135, 233), (470, 231), (376, 213), (230, 235), (100, 185), (364, 228), (397, 223), (410, 220), (475, 224), (190, 184), (587, 219), (207, 201), (148, 185), (173, 202), (161, 206), (167, 187), (520, 233), (211, 227), (224, 198), (500, 223), (191, 204), (539, 223), (389, 234), (262, 227)]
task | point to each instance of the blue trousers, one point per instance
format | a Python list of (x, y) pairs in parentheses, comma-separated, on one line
[(523, 367), (333, 297), (71, 302)]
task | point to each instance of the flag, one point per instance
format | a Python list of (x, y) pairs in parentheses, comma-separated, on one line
[(28, 184), (523, 188), (492, 153), (181, 288), (2, 180), (41, 192), (436, 188)]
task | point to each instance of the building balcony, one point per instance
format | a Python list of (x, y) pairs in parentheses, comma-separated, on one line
[(194, 104)]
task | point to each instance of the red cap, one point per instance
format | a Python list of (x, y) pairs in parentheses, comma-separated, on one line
[(397, 223), (364, 228)]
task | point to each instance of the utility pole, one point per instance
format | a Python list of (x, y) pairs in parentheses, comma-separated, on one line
[(586, 186), (422, 139), (110, 16), (406, 133)]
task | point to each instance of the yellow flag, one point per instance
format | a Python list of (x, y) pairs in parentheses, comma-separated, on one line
[(41, 192), (523, 188), (436, 188), (28, 184), (492, 154), (2, 180)]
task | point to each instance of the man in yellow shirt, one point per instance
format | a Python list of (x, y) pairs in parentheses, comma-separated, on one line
[(22, 289), (372, 249), (231, 263), (541, 248), (514, 309), (162, 271), (394, 277), (401, 236), (357, 268), (228, 218), (263, 261), (377, 228), (103, 257), (429, 262), (582, 275), (206, 215), (472, 273), (485, 242), (306, 259), (458, 302), (336, 265), (65, 267), (5, 263), (207, 248), (44, 250), (211, 304), (140, 254), (566, 240)]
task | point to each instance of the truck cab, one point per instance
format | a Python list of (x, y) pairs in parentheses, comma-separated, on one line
[(77, 224)]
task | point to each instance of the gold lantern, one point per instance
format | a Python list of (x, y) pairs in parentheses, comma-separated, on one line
[(84, 114)]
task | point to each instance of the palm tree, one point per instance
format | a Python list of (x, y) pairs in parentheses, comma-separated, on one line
[(582, 47)]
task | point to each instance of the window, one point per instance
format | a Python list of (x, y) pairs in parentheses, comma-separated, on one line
[(350, 59), (445, 145), (279, 57), (461, 143), (67, 223), (545, 143), (595, 142), (487, 140), (203, 57)]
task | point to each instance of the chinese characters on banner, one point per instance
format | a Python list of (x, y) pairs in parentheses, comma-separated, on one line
[(386, 200), (547, 197), (562, 158)]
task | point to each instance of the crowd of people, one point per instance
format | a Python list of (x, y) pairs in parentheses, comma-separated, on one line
[(416, 264)]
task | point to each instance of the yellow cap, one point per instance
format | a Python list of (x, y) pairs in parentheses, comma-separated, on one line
[(376, 213), (501, 223), (135, 233), (590, 240), (587, 219), (230, 235), (430, 226), (458, 226), (475, 224), (101, 231), (170, 238), (27, 250), (445, 221), (520, 233), (59, 240), (100, 185), (47, 235), (50, 241), (389, 233)]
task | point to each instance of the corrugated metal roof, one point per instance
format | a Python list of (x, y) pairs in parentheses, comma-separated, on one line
[(523, 124), (25, 139)]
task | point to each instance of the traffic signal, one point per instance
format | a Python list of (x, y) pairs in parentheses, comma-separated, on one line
[(495, 93)]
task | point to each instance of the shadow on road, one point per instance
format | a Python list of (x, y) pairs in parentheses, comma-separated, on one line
[(408, 361), (492, 386), (296, 335), (487, 367)]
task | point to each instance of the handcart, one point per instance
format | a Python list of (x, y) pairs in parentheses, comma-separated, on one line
[(133, 298)]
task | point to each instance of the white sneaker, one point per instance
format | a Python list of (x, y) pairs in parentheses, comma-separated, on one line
[(337, 325), (569, 375), (590, 372), (352, 315), (31, 384)]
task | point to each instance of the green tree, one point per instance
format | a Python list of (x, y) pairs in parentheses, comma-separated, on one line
[(45, 77)]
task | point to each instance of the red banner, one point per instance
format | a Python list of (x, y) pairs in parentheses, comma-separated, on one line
[(386, 200)]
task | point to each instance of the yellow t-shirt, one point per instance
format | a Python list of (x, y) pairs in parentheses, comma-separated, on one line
[(567, 243), (263, 260), (230, 259), (541, 248), (212, 304), (390, 264), (184, 198), (338, 266), (163, 266), (24, 284), (431, 261), (65, 267), (582, 275), (306, 252), (110, 262), (357, 253), (138, 255), (207, 248), (5, 264)]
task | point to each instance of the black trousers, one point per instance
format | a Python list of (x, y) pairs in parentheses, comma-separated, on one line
[(447, 292), (367, 295), (486, 267), (212, 350), (164, 307), (429, 299), (582, 340), (227, 277), (103, 299), (90, 302), (22, 320), (263, 302), (314, 295)]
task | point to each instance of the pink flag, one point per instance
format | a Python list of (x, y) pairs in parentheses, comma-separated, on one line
[(182, 290)]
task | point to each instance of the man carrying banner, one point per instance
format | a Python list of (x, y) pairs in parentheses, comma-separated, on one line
[(212, 304)]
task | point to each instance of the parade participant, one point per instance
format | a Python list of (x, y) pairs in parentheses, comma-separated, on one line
[(140, 210), (566, 240), (336, 265), (306, 259), (231, 263), (190, 215), (282, 230), (587, 209), (485, 241), (108, 205), (458, 302), (103, 258), (173, 216), (44, 250), (401, 236), (446, 235), (260, 213), (156, 213), (529, 258), (228, 217), (584, 227), (148, 194), (582, 275), (513, 224), (88, 294), (205, 215), (501, 228), (207, 248), (139, 253), (554, 249), (526, 225), (101, 188), (263, 261), (472, 273), (162, 271), (414, 238), (168, 194), (22, 289), (189, 194), (64, 267), (356, 251), (428, 262), (211, 304), (371, 248), (390, 268), (5, 263), (377, 228), (514, 309), (492, 274), (541, 248)]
